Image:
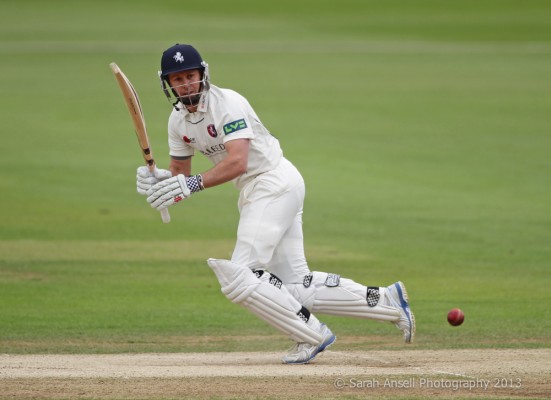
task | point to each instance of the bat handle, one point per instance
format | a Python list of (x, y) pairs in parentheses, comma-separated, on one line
[(165, 215)]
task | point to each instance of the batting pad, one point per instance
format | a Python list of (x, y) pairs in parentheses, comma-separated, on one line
[(348, 298), (241, 286)]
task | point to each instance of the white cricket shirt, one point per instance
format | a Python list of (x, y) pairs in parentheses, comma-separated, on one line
[(221, 116)]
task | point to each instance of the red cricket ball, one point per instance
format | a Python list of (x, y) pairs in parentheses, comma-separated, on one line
[(456, 317)]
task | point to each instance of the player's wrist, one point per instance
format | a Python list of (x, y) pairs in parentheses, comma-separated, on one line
[(195, 183)]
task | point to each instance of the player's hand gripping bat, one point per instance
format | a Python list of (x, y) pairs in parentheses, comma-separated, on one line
[(135, 109)]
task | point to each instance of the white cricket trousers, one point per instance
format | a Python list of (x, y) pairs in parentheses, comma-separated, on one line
[(269, 234)]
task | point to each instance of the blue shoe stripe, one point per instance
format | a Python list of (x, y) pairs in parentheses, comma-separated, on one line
[(404, 304), (321, 348), (327, 343)]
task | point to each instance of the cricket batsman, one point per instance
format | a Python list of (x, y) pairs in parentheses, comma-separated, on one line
[(268, 273)]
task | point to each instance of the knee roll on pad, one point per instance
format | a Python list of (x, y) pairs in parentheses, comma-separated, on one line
[(263, 298)]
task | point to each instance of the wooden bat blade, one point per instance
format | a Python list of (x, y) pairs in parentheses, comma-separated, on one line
[(135, 109)]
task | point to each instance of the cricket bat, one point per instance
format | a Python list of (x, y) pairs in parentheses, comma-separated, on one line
[(136, 112)]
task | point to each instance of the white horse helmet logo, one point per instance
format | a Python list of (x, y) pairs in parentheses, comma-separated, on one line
[(179, 57)]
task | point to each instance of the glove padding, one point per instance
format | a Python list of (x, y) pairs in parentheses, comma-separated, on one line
[(168, 192), (145, 179)]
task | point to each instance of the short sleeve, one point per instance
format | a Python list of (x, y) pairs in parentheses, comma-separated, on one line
[(176, 145), (234, 122)]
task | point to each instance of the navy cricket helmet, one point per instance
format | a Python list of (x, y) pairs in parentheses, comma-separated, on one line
[(182, 57)]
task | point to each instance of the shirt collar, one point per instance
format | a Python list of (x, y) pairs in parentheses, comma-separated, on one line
[(203, 102)]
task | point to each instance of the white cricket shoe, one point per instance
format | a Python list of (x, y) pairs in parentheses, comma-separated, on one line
[(303, 353), (398, 298)]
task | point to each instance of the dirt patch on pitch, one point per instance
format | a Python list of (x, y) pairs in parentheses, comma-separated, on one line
[(361, 374)]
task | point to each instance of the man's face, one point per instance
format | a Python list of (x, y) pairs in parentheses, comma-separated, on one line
[(187, 85)]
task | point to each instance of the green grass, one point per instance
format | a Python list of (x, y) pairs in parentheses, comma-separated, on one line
[(422, 130)]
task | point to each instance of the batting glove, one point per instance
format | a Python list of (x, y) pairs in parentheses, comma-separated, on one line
[(173, 190), (146, 179)]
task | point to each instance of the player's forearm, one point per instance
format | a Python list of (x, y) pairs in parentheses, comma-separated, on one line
[(180, 167), (227, 170)]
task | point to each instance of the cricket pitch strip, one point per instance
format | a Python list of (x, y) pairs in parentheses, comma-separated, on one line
[(510, 373)]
